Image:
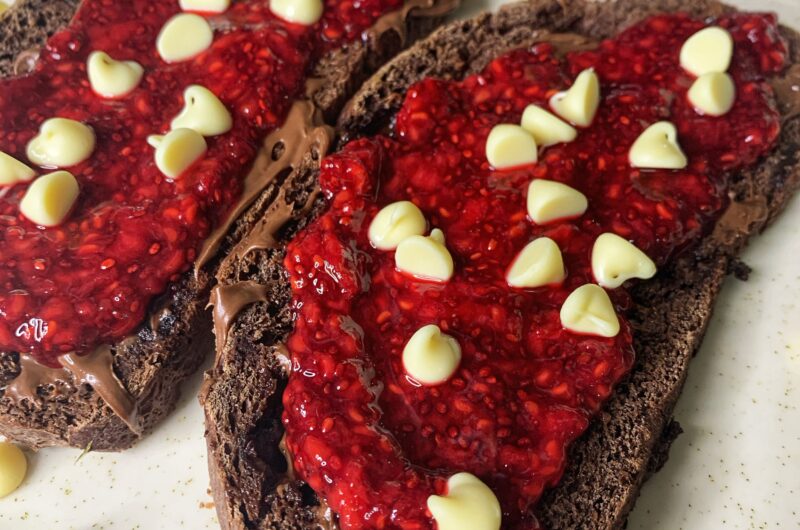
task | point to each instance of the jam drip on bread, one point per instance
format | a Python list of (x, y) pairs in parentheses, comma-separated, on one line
[(90, 279), (372, 438)]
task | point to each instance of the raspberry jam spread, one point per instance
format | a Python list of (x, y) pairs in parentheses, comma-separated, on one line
[(90, 280), (376, 444)]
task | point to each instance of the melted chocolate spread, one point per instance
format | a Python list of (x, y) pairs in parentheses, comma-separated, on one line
[(228, 301), (303, 131), (395, 22), (31, 376), (749, 214), (95, 369), (787, 91)]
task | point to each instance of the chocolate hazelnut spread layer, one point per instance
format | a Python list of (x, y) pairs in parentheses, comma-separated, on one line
[(395, 22), (787, 92), (744, 214), (228, 300), (97, 370), (303, 132), (33, 375)]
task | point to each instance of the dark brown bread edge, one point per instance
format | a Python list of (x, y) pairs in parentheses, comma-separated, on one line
[(242, 396), (170, 346)]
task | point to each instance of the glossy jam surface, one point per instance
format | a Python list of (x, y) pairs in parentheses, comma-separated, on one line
[(373, 442), (133, 231)]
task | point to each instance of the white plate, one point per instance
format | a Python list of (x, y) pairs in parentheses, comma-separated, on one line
[(735, 467)]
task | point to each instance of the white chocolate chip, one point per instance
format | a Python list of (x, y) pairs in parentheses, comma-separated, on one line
[(61, 143), (469, 504), (437, 235), (657, 148), (203, 112), (510, 146), (12, 171), (616, 260), (50, 198), (178, 150), (13, 467), (154, 140), (546, 128), (305, 12), (579, 104), (713, 93), (708, 50), (394, 223), (540, 263), (550, 201), (426, 258), (183, 37), (205, 6), (430, 356), (110, 78), (588, 311)]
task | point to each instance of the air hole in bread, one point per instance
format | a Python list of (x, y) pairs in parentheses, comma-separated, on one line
[(277, 150)]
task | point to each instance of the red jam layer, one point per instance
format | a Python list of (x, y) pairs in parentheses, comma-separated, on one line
[(374, 443), (133, 231)]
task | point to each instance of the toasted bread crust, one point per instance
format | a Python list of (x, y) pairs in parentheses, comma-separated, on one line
[(177, 337), (242, 396)]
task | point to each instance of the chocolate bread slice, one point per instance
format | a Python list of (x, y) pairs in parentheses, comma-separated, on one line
[(252, 483), (109, 398)]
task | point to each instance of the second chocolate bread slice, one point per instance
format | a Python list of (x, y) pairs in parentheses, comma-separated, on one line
[(254, 486)]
